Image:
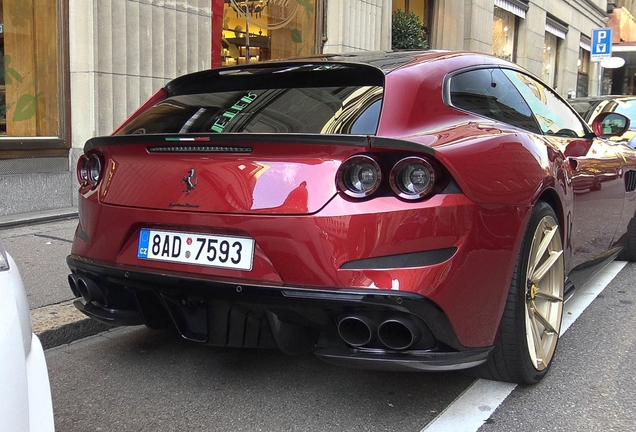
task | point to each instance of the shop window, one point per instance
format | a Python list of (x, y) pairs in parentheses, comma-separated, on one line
[(582, 85), (418, 7), (256, 30), (550, 47), (504, 28), (29, 70)]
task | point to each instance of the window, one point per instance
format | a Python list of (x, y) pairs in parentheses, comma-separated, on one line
[(555, 117), (503, 34), (30, 69), (418, 7), (582, 85), (488, 92), (296, 98), (548, 73), (254, 30)]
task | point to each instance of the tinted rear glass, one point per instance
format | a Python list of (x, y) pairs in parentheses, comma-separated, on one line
[(332, 110)]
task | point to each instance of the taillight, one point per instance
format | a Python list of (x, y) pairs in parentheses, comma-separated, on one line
[(82, 170), (412, 178), (359, 176), (89, 170)]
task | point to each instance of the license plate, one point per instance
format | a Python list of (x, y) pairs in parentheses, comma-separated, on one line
[(199, 249)]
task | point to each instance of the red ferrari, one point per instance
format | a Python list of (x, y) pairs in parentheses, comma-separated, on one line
[(403, 211)]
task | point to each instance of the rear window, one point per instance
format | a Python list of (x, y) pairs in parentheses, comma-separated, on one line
[(334, 100)]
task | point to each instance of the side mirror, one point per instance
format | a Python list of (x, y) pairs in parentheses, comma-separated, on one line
[(609, 124), (577, 148)]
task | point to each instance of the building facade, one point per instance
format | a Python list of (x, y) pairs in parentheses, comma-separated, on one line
[(74, 69)]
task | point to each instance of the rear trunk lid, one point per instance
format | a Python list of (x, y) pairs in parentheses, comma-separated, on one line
[(242, 174), (255, 139)]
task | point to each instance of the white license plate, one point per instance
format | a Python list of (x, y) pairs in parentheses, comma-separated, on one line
[(199, 249)]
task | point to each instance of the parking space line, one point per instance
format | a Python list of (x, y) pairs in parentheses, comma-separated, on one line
[(477, 403)]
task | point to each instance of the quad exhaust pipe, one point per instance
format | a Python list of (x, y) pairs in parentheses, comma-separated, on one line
[(399, 333), (87, 289), (357, 330), (395, 333)]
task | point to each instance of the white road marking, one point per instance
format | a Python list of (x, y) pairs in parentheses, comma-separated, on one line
[(477, 403)]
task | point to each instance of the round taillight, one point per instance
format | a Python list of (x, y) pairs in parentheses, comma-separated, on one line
[(94, 169), (82, 170), (359, 176), (412, 178)]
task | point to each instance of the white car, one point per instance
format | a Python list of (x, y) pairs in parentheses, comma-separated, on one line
[(25, 392)]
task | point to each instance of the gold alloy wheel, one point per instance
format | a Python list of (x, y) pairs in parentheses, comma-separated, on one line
[(544, 292)]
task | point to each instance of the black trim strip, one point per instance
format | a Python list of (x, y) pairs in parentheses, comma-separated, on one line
[(408, 260), (230, 139)]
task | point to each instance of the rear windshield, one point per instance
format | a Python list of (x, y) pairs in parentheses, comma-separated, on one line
[(320, 110)]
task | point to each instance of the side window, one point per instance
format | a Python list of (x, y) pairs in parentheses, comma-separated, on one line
[(555, 117), (488, 92)]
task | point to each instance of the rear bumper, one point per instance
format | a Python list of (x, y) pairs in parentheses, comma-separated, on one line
[(294, 320)]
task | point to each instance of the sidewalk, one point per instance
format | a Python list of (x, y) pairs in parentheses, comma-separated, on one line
[(39, 243)]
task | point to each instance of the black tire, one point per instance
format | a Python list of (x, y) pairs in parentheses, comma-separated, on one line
[(629, 250), (520, 357)]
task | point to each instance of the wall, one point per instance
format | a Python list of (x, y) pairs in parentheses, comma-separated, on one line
[(358, 25), (467, 25), (122, 51)]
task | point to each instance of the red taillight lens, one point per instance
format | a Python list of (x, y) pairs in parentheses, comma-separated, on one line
[(412, 178), (359, 176)]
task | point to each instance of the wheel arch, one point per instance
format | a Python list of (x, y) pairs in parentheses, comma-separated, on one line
[(551, 197)]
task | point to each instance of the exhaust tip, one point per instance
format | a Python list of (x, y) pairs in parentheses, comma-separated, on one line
[(399, 333), (356, 330), (89, 291), (72, 282)]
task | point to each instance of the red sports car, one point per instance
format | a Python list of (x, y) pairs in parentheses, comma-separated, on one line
[(403, 210)]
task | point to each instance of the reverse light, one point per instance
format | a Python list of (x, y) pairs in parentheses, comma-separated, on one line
[(359, 176), (412, 178)]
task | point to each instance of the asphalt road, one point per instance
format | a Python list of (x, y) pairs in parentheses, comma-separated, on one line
[(134, 379)]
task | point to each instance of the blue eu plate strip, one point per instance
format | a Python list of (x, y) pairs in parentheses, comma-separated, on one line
[(144, 239)]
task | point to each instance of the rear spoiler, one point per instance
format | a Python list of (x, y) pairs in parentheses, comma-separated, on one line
[(240, 142)]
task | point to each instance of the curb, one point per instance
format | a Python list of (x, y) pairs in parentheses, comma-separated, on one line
[(62, 323), (11, 221)]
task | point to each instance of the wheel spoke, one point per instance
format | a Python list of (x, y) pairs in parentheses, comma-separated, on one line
[(536, 337), (548, 296), (540, 272), (549, 328), (543, 246)]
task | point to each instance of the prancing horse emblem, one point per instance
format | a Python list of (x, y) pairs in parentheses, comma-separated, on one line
[(190, 182)]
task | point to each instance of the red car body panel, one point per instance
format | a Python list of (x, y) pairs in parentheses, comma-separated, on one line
[(311, 236)]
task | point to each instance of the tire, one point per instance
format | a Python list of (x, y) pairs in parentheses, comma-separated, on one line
[(531, 320), (629, 250)]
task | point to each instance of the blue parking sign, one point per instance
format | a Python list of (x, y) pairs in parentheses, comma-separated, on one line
[(601, 44)]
